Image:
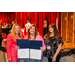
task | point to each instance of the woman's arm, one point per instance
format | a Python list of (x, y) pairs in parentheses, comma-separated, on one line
[(57, 52), (8, 46), (43, 48), (59, 44)]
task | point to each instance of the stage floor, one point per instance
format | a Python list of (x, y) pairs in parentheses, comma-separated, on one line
[(68, 45), (64, 58)]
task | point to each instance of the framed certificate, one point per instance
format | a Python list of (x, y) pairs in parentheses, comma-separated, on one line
[(29, 49), (35, 54), (23, 53)]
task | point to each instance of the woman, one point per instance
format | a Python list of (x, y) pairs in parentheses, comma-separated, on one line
[(1, 37), (33, 35), (2, 40), (10, 25), (53, 43), (11, 43)]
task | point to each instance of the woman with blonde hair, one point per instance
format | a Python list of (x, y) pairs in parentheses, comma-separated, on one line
[(11, 43)]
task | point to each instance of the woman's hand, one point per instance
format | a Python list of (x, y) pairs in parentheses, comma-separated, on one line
[(42, 48), (57, 52), (9, 59), (53, 59), (4, 40), (17, 47)]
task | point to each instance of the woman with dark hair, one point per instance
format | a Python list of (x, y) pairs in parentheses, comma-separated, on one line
[(33, 35), (53, 43), (2, 40)]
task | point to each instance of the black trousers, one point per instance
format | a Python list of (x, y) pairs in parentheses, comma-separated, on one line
[(57, 59)]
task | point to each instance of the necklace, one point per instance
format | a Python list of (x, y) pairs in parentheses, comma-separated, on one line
[(52, 34)]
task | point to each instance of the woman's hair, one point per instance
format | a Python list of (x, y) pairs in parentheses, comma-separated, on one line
[(36, 33), (13, 30), (55, 30)]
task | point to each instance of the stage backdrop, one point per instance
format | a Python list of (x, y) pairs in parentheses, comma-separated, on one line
[(34, 17)]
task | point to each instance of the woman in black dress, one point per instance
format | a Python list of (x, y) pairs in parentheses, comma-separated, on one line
[(53, 43)]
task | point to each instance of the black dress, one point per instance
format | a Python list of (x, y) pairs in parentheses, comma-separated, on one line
[(54, 42)]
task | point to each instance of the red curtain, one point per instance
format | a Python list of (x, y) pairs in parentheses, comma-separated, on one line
[(36, 18), (40, 24), (25, 18)]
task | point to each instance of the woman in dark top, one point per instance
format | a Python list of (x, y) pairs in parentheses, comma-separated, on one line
[(1, 38), (53, 43)]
